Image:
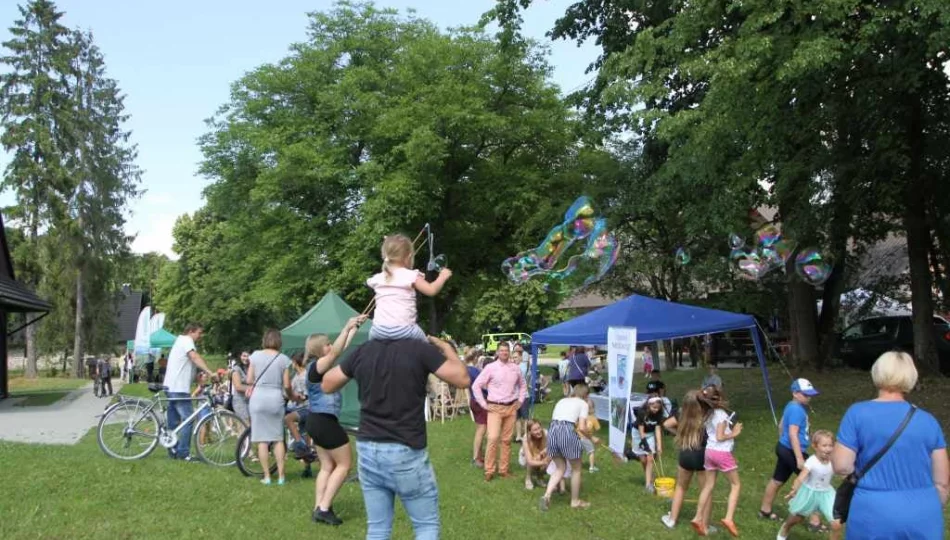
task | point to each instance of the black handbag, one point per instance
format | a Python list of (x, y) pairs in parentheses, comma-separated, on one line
[(845, 491)]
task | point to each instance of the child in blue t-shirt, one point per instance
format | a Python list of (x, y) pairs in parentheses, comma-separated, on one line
[(793, 441)]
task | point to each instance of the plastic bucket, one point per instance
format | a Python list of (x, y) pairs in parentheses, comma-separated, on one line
[(665, 486)]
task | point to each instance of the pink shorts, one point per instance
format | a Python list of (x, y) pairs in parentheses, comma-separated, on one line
[(718, 460)]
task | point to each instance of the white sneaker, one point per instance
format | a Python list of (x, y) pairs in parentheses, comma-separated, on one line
[(668, 521), (593, 469), (781, 536)]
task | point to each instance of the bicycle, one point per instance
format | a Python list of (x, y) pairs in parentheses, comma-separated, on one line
[(130, 429)]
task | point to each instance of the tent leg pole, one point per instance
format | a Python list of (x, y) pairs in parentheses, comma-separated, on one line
[(765, 370)]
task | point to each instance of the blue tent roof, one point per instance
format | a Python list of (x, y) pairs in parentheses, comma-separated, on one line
[(654, 320)]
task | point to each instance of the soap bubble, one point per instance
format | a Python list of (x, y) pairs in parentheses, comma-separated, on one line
[(768, 235), (682, 256), (736, 241), (813, 267), (437, 263)]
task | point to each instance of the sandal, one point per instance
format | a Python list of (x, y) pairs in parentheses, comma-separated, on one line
[(580, 504), (731, 527), (771, 516), (822, 528), (544, 504), (699, 528)]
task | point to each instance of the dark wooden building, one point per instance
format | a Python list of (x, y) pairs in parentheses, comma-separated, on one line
[(14, 298)]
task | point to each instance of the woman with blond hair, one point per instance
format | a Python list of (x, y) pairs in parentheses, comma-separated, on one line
[(267, 380), (323, 423), (902, 481)]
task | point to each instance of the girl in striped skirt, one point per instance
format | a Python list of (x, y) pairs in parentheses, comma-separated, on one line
[(564, 444)]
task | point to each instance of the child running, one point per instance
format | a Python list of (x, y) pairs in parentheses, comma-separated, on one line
[(647, 437), (395, 288), (691, 441), (721, 436), (812, 491), (564, 445)]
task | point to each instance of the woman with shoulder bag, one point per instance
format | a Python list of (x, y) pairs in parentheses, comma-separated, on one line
[(895, 456), (269, 380)]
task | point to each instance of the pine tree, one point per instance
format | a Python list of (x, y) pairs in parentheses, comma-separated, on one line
[(34, 116)]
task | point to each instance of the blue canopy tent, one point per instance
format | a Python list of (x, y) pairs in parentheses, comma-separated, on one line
[(654, 320)]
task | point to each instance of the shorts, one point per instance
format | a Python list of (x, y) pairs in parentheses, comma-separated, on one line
[(588, 446), (480, 414), (635, 443), (720, 460), (388, 333), (563, 441), (325, 431), (524, 411), (785, 464), (693, 460), (302, 412)]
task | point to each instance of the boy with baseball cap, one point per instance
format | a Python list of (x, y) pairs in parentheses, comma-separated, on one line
[(790, 450)]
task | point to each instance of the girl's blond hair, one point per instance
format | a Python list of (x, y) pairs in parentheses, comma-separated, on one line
[(822, 434), (692, 422), (536, 447), (316, 344), (396, 251)]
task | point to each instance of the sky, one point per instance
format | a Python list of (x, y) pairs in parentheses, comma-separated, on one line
[(175, 60)]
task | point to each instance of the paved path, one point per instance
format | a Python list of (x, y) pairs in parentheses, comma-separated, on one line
[(63, 422)]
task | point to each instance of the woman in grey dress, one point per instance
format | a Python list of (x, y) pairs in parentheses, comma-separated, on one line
[(268, 379), (239, 387)]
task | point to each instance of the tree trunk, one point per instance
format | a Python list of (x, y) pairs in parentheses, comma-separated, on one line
[(668, 360), (918, 246), (830, 307), (77, 339), (802, 319), (31, 370)]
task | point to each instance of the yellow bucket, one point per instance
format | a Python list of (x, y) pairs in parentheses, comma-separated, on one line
[(665, 486)]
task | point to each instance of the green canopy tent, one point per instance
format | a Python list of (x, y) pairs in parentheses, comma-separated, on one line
[(328, 317), (161, 339)]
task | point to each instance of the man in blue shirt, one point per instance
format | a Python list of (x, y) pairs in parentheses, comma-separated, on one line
[(791, 449)]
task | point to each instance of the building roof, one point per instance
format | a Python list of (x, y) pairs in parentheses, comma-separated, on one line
[(127, 316), (15, 298)]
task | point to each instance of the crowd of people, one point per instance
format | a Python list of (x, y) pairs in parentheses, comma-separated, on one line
[(894, 452)]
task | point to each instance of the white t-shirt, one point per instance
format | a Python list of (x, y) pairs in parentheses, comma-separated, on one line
[(570, 410), (819, 474), (717, 417), (180, 371), (395, 299)]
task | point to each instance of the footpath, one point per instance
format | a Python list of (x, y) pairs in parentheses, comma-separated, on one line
[(63, 422)]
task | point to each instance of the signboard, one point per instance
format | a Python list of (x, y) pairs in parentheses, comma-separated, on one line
[(621, 355)]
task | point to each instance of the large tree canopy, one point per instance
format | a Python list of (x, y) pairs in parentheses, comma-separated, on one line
[(378, 123)]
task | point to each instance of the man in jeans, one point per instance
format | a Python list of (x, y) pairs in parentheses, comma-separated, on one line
[(391, 443), (507, 391), (182, 360)]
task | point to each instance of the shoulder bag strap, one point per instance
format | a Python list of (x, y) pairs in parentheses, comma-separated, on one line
[(890, 442), (258, 378)]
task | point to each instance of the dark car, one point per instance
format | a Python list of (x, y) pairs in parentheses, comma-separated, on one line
[(862, 342)]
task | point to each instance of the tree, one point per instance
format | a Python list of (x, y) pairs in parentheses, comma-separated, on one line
[(35, 111), (378, 123), (105, 178)]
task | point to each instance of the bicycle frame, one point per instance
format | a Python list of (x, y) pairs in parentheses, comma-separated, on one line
[(159, 401)]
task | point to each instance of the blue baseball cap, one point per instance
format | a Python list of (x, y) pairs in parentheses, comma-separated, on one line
[(804, 386)]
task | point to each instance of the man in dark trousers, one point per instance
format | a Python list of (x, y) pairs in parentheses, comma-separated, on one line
[(104, 374), (391, 442)]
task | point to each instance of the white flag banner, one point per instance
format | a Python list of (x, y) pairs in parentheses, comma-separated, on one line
[(621, 355)]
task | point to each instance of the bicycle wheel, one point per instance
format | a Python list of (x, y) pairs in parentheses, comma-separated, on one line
[(246, 457), (216, 436), (128, 430)]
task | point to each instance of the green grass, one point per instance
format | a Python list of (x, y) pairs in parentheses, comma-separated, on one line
[(22, 385), (77, 492), (40, 399)]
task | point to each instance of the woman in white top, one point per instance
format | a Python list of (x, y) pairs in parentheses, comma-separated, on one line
[(564, 444)]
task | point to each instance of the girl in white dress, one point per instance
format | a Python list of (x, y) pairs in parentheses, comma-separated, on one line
[(812, 491)]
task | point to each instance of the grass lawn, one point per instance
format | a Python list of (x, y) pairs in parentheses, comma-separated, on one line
[(21, 385), (41, 399), (77, 492)]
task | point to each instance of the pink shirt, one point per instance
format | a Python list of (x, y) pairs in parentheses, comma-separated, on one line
[(395, 299), (504, 381)]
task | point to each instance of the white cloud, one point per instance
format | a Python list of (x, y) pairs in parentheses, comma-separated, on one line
[(154, 235)]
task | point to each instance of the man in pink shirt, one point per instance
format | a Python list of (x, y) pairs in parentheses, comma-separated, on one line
[(506, 392)]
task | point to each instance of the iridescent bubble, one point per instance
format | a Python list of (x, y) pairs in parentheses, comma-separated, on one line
[(682, 256), (813, 267), (736, 241), (768, 235), (752, 267), (737, 253), (438, 263)]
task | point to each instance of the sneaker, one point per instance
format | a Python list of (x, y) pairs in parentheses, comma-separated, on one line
[(191, 459), (328, 517), (782, 533), (668, 521), (528, 485), (650, 489), (593, 470), (265, 481), (544, 504), (307, 473), (281, 481), (478, 464)]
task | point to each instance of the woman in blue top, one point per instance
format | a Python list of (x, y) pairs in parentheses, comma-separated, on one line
[(323, 424), (902, 495)]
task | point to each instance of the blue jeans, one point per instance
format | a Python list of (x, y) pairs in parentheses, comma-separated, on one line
[(178, 410), (388, 470)]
